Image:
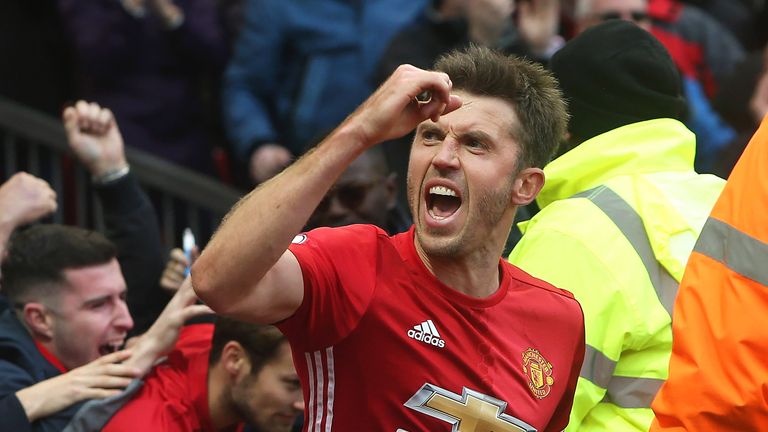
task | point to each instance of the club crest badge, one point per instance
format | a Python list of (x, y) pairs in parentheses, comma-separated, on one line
[(539, 373)]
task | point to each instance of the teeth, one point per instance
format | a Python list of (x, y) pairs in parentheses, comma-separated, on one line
[(442, 190), (434, 216), (109, 348)]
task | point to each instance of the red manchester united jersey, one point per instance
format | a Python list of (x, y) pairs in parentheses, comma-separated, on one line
[(381, 345)]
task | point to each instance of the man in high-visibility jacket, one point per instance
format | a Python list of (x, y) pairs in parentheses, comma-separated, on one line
[(620, 212), (717, 374)]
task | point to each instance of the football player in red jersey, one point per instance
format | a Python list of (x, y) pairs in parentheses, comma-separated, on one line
[(429, 329)]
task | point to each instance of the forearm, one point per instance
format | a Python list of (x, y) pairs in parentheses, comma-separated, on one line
[(131, 223), (259, 229)]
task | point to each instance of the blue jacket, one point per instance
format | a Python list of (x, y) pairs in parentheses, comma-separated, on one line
[(300, 67), (22, 365)]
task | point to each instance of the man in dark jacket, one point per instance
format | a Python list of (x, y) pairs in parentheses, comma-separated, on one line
[(67, 292)]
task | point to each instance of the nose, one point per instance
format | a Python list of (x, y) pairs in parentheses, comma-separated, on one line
[(122, 319), (447, 154), (298, 404)]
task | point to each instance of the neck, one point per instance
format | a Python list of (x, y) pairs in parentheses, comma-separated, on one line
[(219, 404), (476, 275)]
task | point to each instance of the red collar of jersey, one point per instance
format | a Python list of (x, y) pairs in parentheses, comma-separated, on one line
[(51, 358)]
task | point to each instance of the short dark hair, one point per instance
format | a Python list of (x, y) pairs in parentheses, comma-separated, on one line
[(260, 341), (38, 256), (532, 91)]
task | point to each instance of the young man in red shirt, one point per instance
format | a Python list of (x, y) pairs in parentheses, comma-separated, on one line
[(213, 380), (427, 330)]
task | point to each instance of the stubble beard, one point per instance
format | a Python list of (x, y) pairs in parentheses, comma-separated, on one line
[(485, 218)]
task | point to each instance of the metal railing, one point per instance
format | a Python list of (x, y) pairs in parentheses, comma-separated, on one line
[(36, 143)]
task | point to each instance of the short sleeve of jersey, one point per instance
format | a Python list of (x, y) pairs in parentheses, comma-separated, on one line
[(339, 267)]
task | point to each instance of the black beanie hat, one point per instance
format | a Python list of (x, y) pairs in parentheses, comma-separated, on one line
[(614, 74)]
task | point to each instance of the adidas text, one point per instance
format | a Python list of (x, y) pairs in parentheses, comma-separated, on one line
[(426, 338)]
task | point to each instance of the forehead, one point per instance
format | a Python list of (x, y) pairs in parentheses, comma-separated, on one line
[(491, 115), (95, 280), (361, 168), (282, 361)]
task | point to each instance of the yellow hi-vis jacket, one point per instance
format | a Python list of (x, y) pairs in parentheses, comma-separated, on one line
[(619, 216), (718, 374)]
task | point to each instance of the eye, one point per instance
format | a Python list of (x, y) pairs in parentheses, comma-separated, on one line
[(476, 146), (98, 304), (292, 384), (430, 136)]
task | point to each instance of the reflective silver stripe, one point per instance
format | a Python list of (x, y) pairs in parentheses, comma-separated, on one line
[(320, 395), (311, 405), (737, 251), (597, 368), (626, 392), (629, 392), (331, 388), (631, 225)]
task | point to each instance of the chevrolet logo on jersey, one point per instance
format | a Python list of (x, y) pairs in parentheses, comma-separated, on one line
[(469, 412)]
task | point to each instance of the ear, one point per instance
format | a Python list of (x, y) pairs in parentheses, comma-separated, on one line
[(527, 184), (235, 361), (390, 183), (38, 320)]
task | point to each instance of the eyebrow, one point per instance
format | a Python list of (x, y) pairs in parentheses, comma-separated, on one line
[(430, 127), (95, 300), (477, 136)]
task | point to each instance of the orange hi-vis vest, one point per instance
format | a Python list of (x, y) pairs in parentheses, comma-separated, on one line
[(718, 373)]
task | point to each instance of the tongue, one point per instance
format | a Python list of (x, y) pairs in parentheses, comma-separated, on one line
[(444, 206)]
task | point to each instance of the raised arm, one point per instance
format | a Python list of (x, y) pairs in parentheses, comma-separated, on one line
[(246, 271)]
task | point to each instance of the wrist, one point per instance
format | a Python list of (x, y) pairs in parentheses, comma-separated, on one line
[(145, 353), (30, 402), (111, 174), (354, 137), (171, 15)]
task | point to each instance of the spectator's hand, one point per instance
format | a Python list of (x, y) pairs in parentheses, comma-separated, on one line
[(267, 161), (160, 338), (538, 21), (488, 19), (167, 11), (98, 379), (94, 137), (392, 110), (25, 198), (175, 270)]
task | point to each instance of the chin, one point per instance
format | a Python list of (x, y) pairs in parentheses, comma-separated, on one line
[(437, 245)]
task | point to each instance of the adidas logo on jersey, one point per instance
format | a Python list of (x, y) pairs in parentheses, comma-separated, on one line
[(426, 332)]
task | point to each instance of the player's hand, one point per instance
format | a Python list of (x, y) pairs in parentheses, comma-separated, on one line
[(160, 338), (175, 269), (392, 110), (98, 379), (267, 161), (25, 198), (93, 135), (537, 21)]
